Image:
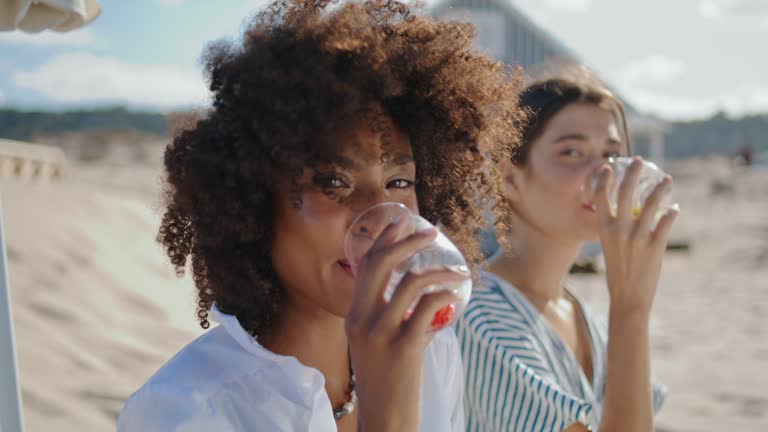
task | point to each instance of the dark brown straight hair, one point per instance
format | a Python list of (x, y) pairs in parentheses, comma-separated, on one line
[(542, 100)]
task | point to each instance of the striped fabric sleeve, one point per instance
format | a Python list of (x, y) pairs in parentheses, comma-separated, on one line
[(509, 386)]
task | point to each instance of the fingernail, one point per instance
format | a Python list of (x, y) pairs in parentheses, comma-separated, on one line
[(460, 269), (429, 232)]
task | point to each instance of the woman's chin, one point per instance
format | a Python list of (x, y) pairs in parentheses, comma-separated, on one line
[(341, 308), (588, 230), (591, 236), (340, 301)]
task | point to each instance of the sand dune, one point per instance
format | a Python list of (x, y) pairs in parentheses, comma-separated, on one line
[(98, 309)]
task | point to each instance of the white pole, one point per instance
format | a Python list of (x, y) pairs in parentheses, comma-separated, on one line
[(10, 394)]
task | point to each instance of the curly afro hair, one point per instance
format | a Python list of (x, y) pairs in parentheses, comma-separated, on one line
[(302, 69)]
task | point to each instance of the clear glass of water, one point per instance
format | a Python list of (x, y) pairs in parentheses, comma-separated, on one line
[(650, 176), (440, 254)]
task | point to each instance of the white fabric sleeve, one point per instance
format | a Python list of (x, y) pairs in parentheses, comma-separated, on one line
[(455, 373), (163, 409)]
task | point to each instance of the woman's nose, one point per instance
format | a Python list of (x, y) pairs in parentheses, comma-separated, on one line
[(589, 174), (369, 217), (365, 199)]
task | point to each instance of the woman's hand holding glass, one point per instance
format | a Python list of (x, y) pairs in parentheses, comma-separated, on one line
[(633, 238), (387, 349)]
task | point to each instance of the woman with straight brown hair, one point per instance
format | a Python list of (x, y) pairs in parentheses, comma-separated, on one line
[(536, 357)]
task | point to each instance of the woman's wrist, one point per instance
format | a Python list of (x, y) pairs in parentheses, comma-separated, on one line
[(624, 303), (629, 318)]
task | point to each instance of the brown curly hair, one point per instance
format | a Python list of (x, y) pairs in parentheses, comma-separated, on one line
[(303, 70)]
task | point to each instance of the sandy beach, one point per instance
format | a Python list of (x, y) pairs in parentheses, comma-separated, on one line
[(98, 309)]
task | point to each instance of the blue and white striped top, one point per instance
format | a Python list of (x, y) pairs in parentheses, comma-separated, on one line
[(520, 375)]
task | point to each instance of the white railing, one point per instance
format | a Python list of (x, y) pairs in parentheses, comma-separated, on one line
[(27, 161)]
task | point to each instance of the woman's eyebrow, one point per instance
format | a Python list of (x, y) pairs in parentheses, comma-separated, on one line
[(345, 163), (582, 137), (400, 159), (350, 164), (571, 136)]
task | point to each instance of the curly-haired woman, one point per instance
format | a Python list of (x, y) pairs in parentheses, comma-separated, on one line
[(319, 114)]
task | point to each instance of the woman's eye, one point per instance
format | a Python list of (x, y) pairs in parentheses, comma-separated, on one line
[(572, 153), (329, 181), (400, 184)]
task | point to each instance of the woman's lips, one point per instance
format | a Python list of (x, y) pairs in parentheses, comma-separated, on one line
[(344, 264), (589, 207)]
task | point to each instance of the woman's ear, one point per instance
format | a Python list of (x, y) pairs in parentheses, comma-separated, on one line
[(511, 180)]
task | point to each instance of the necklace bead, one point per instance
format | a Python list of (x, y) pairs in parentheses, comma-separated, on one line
[(348, 407)]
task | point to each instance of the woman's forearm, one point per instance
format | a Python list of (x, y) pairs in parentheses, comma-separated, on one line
[(628, 403)]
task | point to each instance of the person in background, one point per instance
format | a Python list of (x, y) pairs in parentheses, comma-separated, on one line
[(537, 358)]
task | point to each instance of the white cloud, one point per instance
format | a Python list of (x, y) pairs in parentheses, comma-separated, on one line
[(652, 70), (86, 78), (171, 2), (739, 101), (48, 38), (668, 106), (748, 8), (572, 6), (640, 80), (733, 8), (746, 99), (709, 9)]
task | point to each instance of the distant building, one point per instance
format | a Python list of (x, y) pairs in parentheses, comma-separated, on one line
[(507, 34)]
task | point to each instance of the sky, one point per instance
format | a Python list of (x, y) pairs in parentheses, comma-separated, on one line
[(677, 59)]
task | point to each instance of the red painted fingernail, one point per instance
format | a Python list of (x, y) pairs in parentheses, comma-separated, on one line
[(443, 317)]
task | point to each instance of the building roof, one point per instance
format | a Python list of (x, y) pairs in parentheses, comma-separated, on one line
[(515, 17)]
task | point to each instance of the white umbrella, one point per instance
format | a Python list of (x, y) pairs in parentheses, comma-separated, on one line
[(37, 15)]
